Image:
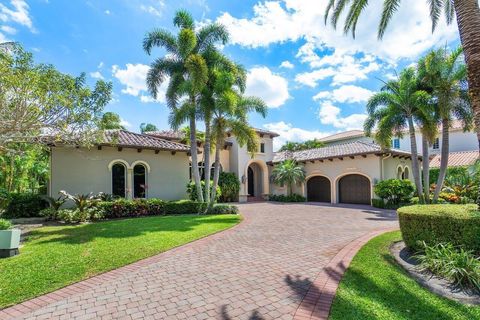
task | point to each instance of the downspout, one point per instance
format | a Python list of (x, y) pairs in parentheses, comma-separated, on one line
[(49, 192)]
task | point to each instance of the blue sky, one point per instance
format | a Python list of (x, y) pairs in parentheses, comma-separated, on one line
[(315, 80)]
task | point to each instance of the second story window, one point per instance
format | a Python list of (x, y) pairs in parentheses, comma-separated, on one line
[(262, 147), (396, 143), (436, 144)]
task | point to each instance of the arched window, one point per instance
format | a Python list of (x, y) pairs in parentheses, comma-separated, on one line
[(399, 173), (405, 173), (119, 173), (139, 181)]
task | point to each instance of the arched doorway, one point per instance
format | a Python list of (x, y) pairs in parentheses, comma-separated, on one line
[(355, 189), (318, 189), (254, 180)]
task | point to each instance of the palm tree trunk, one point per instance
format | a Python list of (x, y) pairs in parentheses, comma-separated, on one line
[(216, 172), (194, 155), (444, 158), (426, 169), (206, 159), (415, 165), (468, 20)]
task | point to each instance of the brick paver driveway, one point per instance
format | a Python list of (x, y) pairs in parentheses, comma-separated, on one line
[(258, 270)]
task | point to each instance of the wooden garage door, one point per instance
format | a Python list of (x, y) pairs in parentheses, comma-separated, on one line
[(318, 189), (354, 188)]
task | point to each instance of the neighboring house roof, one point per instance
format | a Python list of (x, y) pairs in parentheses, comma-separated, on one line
[(350, 149), (456, 159), (266, 132), (343, 135), (167, 134), (128, 139)]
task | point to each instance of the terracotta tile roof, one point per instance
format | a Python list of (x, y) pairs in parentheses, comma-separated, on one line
[(266, 132), (456, 159), (343, 135), (127, 139), (336, 151), (167, 134)]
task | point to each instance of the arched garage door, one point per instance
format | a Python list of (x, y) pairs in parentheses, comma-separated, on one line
[(354, 188), (318, 189)]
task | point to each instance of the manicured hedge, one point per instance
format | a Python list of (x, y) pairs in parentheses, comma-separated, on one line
[(440, 223), (24, 205)]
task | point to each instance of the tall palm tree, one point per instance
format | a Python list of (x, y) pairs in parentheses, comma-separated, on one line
[(398, 105), (230, 113), (468, 21), (290, 173), (445, 74), (188, 72)]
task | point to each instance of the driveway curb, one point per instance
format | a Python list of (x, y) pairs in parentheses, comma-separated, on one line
[(317, 302)]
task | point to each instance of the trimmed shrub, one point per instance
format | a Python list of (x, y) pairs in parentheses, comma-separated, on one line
[(5, 224), (287, 198), (24, 205), (229, 186), (77, 216), (416, 200), (394, 191), (379, 203), (223, 209), (192, 191), (440, 223), (49, 213), (185, 207)]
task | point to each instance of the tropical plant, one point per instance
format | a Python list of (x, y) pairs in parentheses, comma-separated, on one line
[(192, 194), (395, 191), (229, 185), (148, 127), (185, 66), (55, 203), (5, 224), (467, 13), (399, 105), (81, 201), (298, 146), (288, 172), (110, 120)]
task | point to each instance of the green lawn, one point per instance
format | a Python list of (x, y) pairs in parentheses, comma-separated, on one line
[(54, 257), (375, 287)]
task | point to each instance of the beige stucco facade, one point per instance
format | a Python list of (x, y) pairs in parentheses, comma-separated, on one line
[(82, 170)]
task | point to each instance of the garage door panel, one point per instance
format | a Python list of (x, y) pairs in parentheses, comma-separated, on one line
[(354, 189), (319, 189)]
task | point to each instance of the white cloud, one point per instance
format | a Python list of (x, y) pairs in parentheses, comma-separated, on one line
[(133, 77), (287, 65), (107, 12), (154, 9), (330, 115), (345, 93), (100, 65), (17, 13), (272, 88), (96, 75), (311, 78), (8, 29), (125, 123), (289, 133)]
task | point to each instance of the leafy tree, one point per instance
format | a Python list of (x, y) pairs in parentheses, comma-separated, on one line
[(37, 99), (398, 105), (148, 127), (468, 21), (184, 64), (288, 172), (445, 74), (298, 146), (110, 120)]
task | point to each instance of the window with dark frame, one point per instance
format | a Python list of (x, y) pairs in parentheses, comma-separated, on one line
[(262, 147), (436, 144), (139, 181), (118, 180)]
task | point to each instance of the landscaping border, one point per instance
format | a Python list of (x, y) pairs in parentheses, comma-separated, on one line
[(34, 304), (317, 302)]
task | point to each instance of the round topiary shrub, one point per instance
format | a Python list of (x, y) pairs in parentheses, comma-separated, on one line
[(440, 223)]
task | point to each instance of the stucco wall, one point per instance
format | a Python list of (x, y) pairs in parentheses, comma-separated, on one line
[(83, 171), (459, 141)]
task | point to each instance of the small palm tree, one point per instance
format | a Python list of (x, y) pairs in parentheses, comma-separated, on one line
[(399, 105), (446, 75), (288, 172)]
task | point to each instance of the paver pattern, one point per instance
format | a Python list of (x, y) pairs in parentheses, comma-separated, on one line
[(261, 269)]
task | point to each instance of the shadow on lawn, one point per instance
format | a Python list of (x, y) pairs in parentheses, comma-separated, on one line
[(125, 228)]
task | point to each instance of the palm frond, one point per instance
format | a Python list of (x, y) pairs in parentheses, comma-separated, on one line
[(389, 8), (160, 38), (337, 11), (184, 20), (436, 7), (353, 15), (330, 6), (211, 34), (449, 11)]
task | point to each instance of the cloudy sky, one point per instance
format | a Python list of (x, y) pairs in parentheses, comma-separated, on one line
[(314, 79)]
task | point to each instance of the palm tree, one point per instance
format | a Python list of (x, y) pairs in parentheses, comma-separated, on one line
[(445, 74), (288, 172), (230, 113), (398, 105), (468, 21), (187, 70)]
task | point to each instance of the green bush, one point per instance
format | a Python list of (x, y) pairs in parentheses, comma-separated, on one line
[(229, 186), (456, 265), (5, 224), (416, 200), (394, 191), (378, 203), (192, 191), (50, 213), (223, 209), (24, 205), (77, 216), (287, 198), (440, 223), (184, 207), (451, 171)]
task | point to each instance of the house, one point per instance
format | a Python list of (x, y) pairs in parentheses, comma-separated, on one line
[(156, 165)]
